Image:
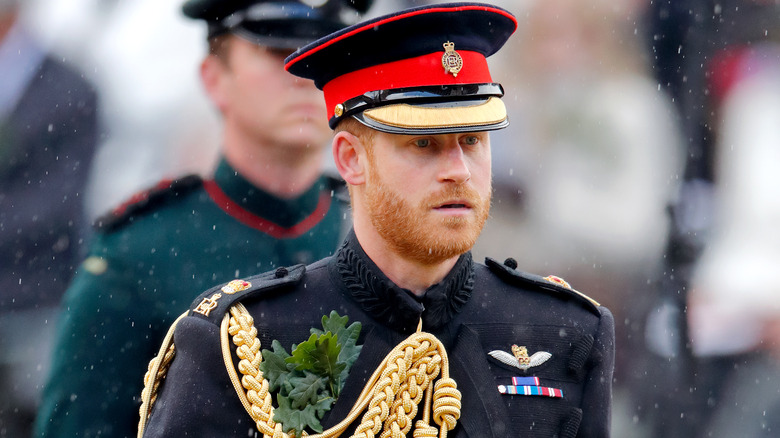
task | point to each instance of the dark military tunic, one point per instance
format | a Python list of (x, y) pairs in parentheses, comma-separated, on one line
[(476, 309), (150, 260)]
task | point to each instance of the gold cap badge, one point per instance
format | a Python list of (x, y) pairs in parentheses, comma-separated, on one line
[(451, 60)]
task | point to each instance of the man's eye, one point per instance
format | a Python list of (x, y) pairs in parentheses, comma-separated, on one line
[(422, 142), (471, 140)]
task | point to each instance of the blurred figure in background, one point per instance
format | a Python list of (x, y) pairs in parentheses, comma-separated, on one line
[(708, 368), (48, 134), (267, 204), (734, 304), (595, 155), (159, 124)]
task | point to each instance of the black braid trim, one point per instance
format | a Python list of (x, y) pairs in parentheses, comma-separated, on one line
[(397, 307), (580, 354), (571, 425)]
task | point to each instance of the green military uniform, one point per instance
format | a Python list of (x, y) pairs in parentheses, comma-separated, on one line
[(148, 262)]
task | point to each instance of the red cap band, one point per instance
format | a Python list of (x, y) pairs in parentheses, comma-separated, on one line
[(420, 71)]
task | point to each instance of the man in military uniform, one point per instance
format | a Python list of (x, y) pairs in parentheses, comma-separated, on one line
[(266, 205), (445, 345)]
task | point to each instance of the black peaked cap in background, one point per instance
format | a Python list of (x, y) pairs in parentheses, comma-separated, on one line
[(283, 24)]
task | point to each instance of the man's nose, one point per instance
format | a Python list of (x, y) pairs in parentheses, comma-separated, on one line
[(454, 166)]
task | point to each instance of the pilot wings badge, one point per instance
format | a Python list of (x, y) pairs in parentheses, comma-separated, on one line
[(519, 357)]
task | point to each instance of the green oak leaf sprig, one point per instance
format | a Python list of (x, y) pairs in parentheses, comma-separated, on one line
[(309, 380)]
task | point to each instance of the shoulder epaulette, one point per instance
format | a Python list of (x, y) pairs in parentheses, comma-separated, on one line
[(146, 200), (213, 304), (507, 271)]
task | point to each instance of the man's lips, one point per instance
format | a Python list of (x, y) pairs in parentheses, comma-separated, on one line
[(453, 205)]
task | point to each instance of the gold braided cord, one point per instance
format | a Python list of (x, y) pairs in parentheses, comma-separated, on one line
[(158, 369), (390, 398), (252, 388)]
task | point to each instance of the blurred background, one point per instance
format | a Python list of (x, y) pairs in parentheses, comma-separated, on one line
[(642, 164)]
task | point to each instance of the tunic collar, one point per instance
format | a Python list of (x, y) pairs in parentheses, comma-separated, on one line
[(282, 212), (399, 308)]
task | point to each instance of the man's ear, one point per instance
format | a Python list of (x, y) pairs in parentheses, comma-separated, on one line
[(349, 156), (212, 75)]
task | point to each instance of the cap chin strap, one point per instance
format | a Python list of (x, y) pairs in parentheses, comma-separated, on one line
[(466, 95)]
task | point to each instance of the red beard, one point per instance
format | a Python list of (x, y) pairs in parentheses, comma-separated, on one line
[(416, 232)]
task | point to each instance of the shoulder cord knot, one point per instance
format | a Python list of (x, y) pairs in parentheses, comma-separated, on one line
[(392, 394)]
